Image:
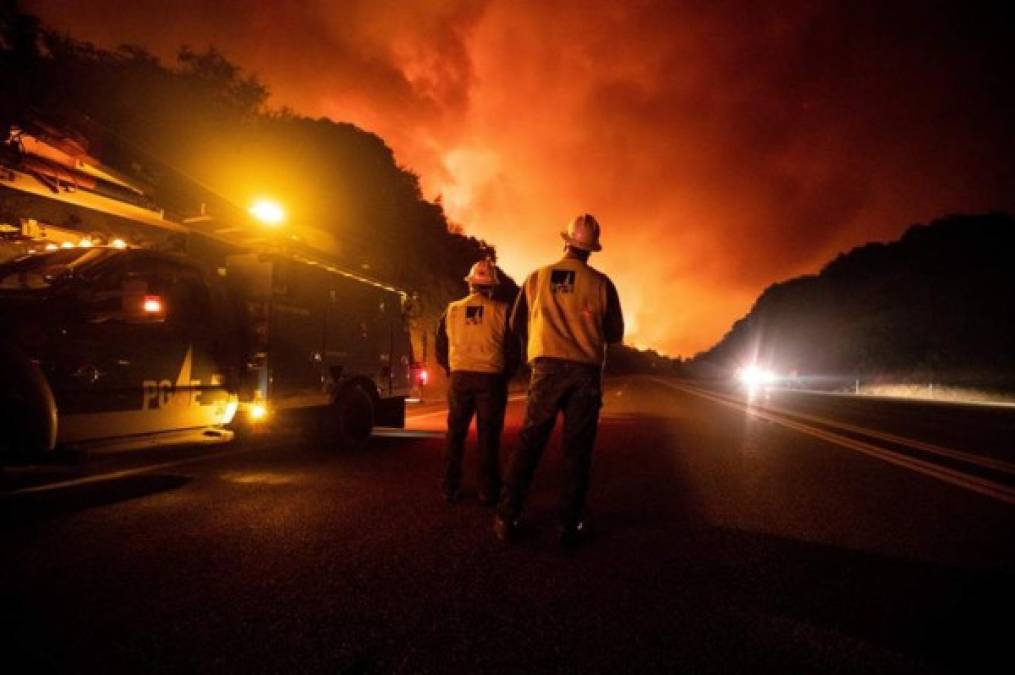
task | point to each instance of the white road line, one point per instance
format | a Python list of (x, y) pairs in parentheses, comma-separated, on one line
[(101, 477), (406, 433), (977, 484), (442, 411)]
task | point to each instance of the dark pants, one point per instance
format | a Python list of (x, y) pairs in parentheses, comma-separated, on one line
[(576, 390), (486, 396)]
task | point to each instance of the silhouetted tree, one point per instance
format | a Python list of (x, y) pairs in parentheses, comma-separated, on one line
[(203, 121)]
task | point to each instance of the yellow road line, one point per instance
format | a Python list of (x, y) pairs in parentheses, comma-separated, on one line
[(900, 399), (977, 484), (978, 460)]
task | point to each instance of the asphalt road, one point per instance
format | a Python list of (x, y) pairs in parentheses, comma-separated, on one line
[(725, 536)]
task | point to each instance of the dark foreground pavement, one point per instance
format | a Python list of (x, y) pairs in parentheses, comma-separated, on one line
[(719, 542)]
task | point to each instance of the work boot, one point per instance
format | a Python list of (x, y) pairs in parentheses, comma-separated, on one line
[(504, 530), (571, 536)]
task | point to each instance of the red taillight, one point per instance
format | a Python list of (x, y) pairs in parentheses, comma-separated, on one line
[(152, 304), (420, 375), (424, 376)]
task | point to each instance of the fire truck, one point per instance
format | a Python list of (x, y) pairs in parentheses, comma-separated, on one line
[(124, 325)]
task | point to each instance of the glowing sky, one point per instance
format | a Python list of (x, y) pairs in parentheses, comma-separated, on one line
[(723, 145)]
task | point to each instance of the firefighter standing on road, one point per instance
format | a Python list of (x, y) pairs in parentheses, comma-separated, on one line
[(475, 346), (567, 312)]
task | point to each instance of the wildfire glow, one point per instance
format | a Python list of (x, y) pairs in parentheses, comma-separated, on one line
[(721, 148)]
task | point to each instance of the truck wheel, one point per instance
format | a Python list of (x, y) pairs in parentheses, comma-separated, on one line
[(351, 419), (13, 441), (27, 409)]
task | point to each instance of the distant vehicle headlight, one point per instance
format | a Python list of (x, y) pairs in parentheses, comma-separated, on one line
[(754, 376)]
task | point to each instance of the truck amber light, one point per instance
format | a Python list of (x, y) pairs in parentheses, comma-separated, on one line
[(268, 212), (257, 412), (152, 304)]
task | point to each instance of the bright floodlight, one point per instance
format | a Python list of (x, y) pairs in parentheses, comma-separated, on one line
[(268, 212), (753, 376)]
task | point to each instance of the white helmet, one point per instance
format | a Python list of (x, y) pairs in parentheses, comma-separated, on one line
[(483, 273), (583, 233)]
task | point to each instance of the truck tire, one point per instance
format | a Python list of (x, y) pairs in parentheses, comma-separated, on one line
[(350, 419), (27, 409)]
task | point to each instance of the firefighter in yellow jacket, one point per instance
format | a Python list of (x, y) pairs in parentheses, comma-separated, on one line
[(566, 313), (476, 348)]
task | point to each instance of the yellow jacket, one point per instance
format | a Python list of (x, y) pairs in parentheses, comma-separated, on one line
[(475, 332), (570, 311)]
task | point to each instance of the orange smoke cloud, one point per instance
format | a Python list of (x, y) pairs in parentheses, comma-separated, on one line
[(724, 146)]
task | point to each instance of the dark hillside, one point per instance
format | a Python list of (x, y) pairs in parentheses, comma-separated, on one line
[(938, 305)]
